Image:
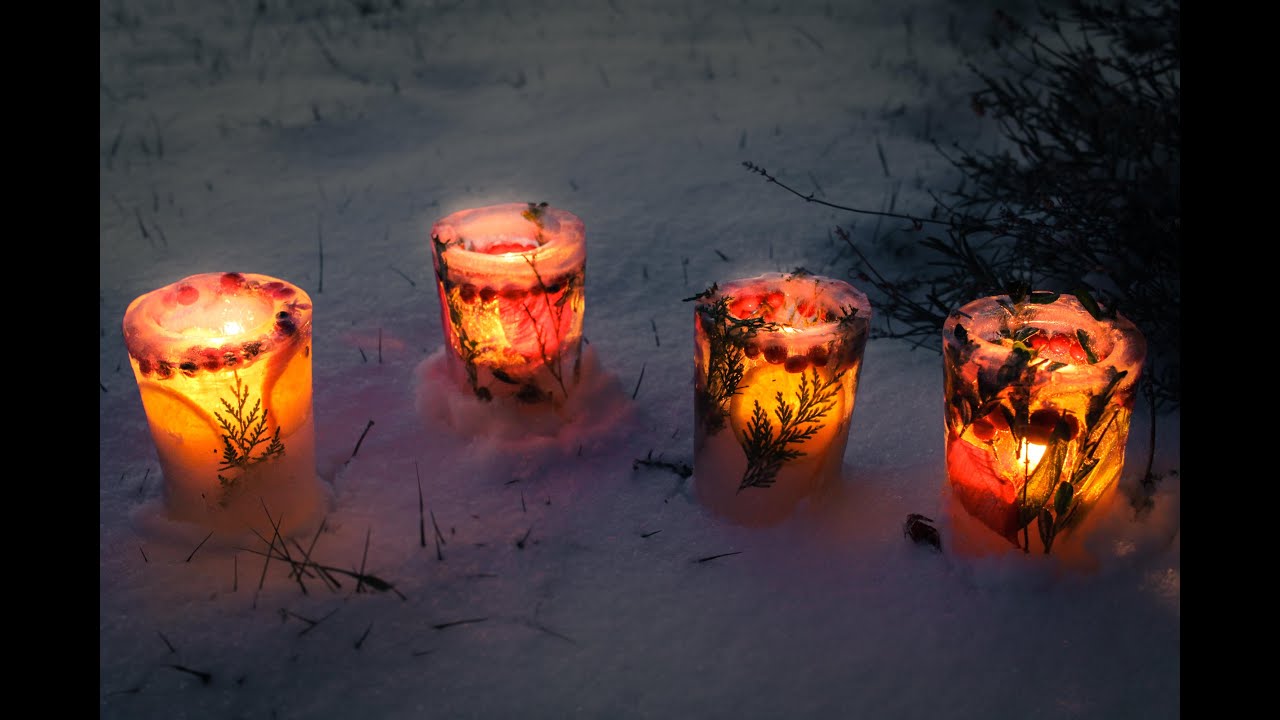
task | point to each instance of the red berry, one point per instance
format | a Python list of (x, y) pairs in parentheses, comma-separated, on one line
[(1068, 427), (500, 248), (818, 355), (807, 310), (775, 354), (231, 281), (513, 293), (467, 293), (752, 349), (187, 294), (1037, 341), (229, 356), (796, 363), (488, 294), (983, 430), (210, 359), (144, 366), (190, 364), (1041, 424), (1060, 344), (744, 307), (774, 299), (1077, 351)]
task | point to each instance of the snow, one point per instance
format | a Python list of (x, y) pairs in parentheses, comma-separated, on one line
[(317, 144)]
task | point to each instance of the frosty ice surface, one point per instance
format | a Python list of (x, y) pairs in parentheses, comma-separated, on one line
[(1038, 396), (223, 365), (511, 289), (777, 362)]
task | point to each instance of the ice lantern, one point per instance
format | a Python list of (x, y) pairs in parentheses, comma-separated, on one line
[(223, 364), (1038, 396), (510, 281), (777, 360)]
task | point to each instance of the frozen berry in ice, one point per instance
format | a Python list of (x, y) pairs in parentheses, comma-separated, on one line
[(231, 281), (818, 355), (752, 349), (1068, 426), (1041, 424), (796, 363), (467, 293), (187, 294), (745, 306), (775, 354), (1077, 351), (500, 248), (1060, 345), (488, 294), (983, 430), (210, 359)]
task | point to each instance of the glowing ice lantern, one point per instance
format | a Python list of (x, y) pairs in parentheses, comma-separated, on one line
[(223, 364), (510, 280), (1038, 396), (777, 360)]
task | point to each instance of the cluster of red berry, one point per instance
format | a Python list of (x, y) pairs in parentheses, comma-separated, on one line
[(768, 305), (1058, 345), (1040, 429), (198, 358), (469, 293), (816, 356)]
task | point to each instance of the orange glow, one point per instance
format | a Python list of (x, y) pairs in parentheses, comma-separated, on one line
[(223, 365), (777, 362), (1029, 455), (510, 284), (1038, 397)]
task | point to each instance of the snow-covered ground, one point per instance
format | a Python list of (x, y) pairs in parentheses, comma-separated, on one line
[(317, 142)]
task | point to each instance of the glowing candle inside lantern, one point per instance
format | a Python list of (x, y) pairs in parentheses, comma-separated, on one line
[(511, 288), (777, 363), (1038, 396), (223, 365)]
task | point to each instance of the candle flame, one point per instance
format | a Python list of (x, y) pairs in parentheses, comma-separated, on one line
[(1029, 453), (231, 327)]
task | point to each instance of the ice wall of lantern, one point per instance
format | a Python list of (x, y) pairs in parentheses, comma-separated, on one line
[(510, 281), (1038, 398), (777, 359), (223, 366)]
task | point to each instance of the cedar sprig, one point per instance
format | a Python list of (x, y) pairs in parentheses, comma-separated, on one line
[(727, 337), (242, 432), (766, 450)]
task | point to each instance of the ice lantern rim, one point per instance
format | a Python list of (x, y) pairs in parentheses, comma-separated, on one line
[(562, 250), (1118, 343), (832, 294), (163, 338)]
